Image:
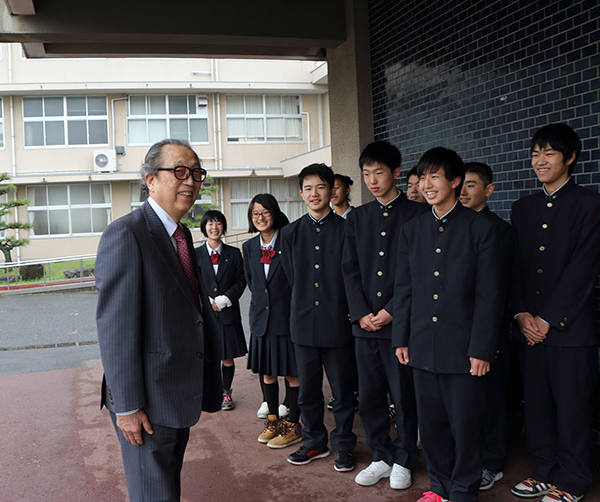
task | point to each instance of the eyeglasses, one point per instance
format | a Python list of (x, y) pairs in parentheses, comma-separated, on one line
[(257, 214), (183, 172)]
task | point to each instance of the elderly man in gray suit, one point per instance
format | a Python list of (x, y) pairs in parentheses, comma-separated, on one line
[(156, 330)]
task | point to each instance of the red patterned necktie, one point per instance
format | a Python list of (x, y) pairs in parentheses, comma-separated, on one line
[(214, 257), (186, 262), (267, 255)]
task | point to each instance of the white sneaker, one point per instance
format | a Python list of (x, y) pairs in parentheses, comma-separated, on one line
[(400, 477), (373, 473), (263, 411), (284, 411)]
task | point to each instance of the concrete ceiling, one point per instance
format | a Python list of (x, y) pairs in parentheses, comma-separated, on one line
[(282, 29)]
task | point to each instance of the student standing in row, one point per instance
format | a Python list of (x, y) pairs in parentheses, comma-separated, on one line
[(478, 186), (340, 195), (223, 274), (320, 326), (559, 240), (369, 264), (412, 187), (447, 309), (271, 350)]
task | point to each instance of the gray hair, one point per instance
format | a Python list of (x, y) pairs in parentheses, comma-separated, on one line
[(153, 159)]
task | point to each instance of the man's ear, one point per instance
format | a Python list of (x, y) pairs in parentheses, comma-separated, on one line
[(456, 181), (489, 190), (396, 172), (150, 180)]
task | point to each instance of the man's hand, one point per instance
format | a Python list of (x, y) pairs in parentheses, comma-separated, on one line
[(542, 325), (402, 354), (131, 426), (366, 323), (381, 319), (530, 328), (215, 306), (479, 367)]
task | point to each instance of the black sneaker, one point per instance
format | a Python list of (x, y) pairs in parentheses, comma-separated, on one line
[(304, 455), (344, 461)]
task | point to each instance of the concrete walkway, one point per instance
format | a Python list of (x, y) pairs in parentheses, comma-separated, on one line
[(57, 445)]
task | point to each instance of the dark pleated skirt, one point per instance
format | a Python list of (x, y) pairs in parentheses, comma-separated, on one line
[(233, 341), (272, 356)]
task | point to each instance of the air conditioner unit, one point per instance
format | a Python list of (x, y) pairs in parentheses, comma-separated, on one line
[(202, 101), (105, 161)]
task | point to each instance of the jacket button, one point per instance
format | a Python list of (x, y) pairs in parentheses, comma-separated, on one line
[(199, 323), (214, 289), (267, 307), (434, 319), (317, 303), (438, 250), (436, 273), (266, 290), (383, 234), (316, 265), (435, 297), (562, 324), (200, 355), (539, 270), (379, 294), (380, 273), (316, 284)]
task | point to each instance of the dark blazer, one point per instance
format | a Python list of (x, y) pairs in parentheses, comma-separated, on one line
[(311, 253), (271, 296), (159, 352), (369, 261), (559, 243), (447, 298), (229, 281)]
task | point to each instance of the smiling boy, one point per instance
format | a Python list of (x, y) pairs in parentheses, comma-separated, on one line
[(319, 322), (369, 265), (558, 232), (447, 307)]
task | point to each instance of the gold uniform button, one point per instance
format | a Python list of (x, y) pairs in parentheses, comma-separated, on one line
[(317, 247), (317, 303), (383, 233), (316, 284), (379, 293), (267, 307), (199, 323), (380, 273), (441, 229), (565, 319), (385, 214), (438, 250), (214, 289), (436, 273), (539, 270), (536, 293), (549, 204), (542, 248), (318, 229), (435, 297), (434, 319), (562, 324), (316, 265), (266, 290), (381, 253), (545, 225)]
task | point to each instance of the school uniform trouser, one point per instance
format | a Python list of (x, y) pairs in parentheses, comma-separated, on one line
[(380, 373), (496, 424), (153, 470), (338, 363), (450, 409), (558, 384)]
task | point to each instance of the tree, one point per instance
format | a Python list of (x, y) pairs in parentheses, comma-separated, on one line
[(8, 242), (194, 216)]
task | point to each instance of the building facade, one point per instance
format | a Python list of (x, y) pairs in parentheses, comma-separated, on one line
[(73, 133)]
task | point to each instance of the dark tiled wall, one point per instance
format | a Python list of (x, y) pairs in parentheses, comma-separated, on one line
[(481, 77)]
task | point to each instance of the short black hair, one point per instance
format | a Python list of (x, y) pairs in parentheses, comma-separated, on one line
[(447, 160), (560, 137), (381, 152), (269, 202), (346, 180), (482, 170), (412, 172), (212, 215), (323, 171)]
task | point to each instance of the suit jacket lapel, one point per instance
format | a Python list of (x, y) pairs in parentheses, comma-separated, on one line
[(259, 269), (276, 259), (206, 264), (163, 243)]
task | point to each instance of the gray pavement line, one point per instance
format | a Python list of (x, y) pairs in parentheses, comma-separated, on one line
[(51, 345)]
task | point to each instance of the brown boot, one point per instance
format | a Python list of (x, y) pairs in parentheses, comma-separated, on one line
[(272, 428), (289, 434)]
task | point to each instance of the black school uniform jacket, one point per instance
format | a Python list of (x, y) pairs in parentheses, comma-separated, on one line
[(369, 262), (229, 281), (270, 304), (312, 258), (447, 296), (559, 244)]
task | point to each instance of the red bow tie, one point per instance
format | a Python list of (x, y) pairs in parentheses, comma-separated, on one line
[(214, 257), (267, 255)]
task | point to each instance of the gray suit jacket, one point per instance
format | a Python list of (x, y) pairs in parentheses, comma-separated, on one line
[(159, 352)]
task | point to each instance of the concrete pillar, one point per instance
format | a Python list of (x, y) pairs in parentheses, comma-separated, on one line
[(350, 98)]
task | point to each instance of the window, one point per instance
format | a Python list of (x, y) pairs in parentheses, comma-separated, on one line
[(284, 190), (274, 119), (137, 199), (70, 121), (66, 210), (154, 118)]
